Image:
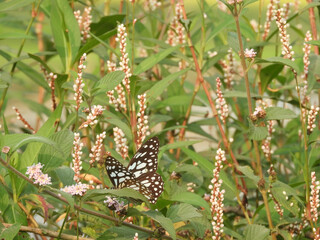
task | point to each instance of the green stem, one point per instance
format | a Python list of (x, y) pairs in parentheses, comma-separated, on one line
[(64, 221)]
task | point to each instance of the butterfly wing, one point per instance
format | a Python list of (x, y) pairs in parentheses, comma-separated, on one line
[(140, 174), (151, 185), (146, 158), (118, 174)]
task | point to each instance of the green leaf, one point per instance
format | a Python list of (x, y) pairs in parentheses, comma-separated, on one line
[(66, 32), (239, 94), (182, 212), (157, 89), (11, 232), (191, 198), (51, 158), (94, 42), (123, 192), (153, 60), (175, 145), (166, 223), (278, 113), (257, 133), (202, 161), (269, 73), (280, 60), (14, 4), (33, 75), (15, 35), (122, 233), (248, 172), (174, 101), (109, 82), (255, 231), (106, 24), (65, 175)]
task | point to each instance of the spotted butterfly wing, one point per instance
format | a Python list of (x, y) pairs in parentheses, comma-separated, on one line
[(140, 174)]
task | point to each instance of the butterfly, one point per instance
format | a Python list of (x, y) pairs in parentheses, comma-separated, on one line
[(140, 174)]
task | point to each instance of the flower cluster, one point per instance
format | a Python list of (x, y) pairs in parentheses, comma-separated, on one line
[(51, 78), (96, 111), (306, 63), (84, 22), (121, 142), (286, 10), (124, 60), (250, 53), (76, 155), (114, 204), (217, 196), (78, 85), (221, 103), (76, 189), (191, 186), (312, 114), (152, 4), (136, 237), (314, 197), (270, 12), (176, 34), (284, 36), (277, 205), (228, 69), (23, 120), (142, 126), (36, 174), (95, 155), (120, 102)]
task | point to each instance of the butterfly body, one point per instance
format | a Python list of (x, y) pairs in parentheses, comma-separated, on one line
[(140, 174)]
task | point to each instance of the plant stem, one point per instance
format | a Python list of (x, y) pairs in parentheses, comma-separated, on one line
[(255, 144), (64, 221), (213, 108)]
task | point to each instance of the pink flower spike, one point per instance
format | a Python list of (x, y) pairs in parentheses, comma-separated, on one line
[(34, 170), (42, 179), (250, 53)]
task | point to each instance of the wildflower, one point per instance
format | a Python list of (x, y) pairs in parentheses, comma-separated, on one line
[(221, 103), (136, 236), (217, 196), (96, 111), (120, 102), (176, 33), (254, 24), (36, 174), (228, 69), (114, 204), (284, 36), (191, 186), (121, 142), (306, 63), (23, 120), (152, 4), (78, 85), (84, 22), (250, 53), (312, 114), (76, 189), (77, 153), (42, 179), (212, 54), (314, 197), (142, 126), (95, 155), (270, 13), (53, 77), (34, 170), (124, 60)]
